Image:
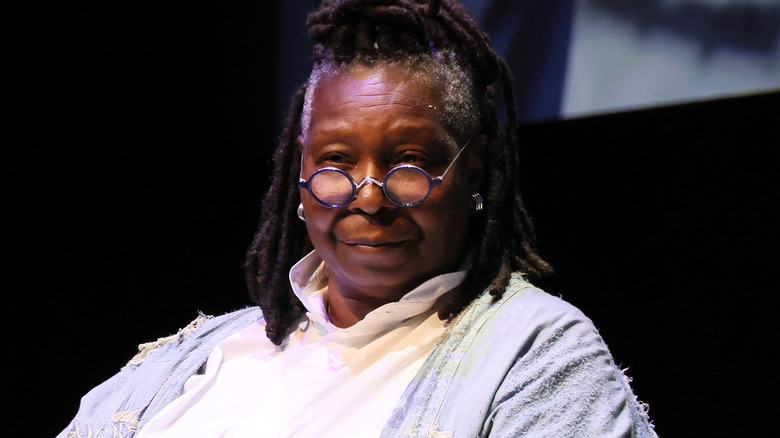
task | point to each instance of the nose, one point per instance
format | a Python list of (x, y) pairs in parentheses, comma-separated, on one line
[(370, 197)]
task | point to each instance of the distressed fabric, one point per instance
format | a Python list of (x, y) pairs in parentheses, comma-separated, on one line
[(119, 407), (527, 365)]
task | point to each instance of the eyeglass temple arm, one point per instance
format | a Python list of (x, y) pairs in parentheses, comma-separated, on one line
[(441, 177)]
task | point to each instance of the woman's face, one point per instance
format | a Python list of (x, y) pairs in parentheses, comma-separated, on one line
[(366, 122)]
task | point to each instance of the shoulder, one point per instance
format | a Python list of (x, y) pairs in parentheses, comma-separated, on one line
[(155, 375), (528, 364), (544, 332), (525, 309), (563, 378), (203, 329)]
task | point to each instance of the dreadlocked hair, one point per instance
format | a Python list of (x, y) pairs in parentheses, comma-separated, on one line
[(349, 33)]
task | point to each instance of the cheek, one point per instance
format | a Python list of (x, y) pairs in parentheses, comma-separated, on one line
[(446, 222), (318, 220)]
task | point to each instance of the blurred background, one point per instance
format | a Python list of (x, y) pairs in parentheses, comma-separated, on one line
[(137, 138)]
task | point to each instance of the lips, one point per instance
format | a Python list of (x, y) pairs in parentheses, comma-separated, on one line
[(375, 242)]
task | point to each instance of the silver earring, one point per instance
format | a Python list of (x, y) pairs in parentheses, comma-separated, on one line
[(477, 201), (300, 212)]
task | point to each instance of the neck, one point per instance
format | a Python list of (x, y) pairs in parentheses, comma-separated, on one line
[(344, 311)]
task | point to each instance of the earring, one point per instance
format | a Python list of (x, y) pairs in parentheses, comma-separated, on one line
[(300, 212), (477, 201)]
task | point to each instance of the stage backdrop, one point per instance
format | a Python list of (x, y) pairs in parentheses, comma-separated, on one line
[(575, 58)]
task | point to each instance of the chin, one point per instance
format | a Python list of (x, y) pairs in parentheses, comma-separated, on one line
[(368, 277)]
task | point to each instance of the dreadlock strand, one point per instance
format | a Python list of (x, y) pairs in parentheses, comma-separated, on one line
[(432, 8), (274, 247), (475, 42)]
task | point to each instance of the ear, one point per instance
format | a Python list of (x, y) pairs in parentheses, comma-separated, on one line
[(475, 160), (300, 143)]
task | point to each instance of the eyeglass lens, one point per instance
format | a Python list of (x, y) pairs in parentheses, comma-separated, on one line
[(407, 185), (332, 187)]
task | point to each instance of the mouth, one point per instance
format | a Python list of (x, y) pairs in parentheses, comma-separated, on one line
[(375, 243)]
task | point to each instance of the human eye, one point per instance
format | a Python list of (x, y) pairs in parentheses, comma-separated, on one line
[(410, 157), (417, 158), (334, 158)]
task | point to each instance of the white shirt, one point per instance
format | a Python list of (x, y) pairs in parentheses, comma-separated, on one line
[(323, 381)]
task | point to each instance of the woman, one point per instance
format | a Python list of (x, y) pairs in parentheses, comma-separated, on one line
[(395, 210)]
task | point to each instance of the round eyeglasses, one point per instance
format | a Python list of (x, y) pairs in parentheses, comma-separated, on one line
[(405, 185)]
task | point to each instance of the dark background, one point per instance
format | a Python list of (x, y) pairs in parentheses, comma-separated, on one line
[(136, 148)]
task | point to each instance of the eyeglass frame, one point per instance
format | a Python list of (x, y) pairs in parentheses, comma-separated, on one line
[(432, 182)]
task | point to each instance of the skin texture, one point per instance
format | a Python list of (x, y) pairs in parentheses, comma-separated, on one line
[(367, 121)]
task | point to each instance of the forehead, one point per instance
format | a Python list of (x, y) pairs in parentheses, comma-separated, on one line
[(376, 87)]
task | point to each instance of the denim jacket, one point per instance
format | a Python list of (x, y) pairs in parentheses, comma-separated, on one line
[(528, 364)]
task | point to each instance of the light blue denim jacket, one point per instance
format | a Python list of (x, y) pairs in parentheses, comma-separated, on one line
[(528, 364)]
